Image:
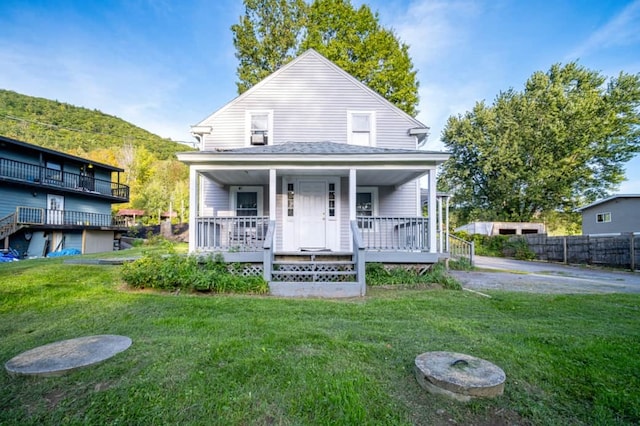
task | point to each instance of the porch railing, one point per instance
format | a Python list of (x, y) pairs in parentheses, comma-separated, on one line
[(461, 249), (394, 233), (239, 233), (38, 216), (38, 175)]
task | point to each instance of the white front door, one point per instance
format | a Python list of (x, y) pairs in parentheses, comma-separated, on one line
[(55, 209), (311, 207)]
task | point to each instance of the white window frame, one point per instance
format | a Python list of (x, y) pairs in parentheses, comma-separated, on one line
[(605, 216), (247, 130), (373, 190), (233, 195), (372, 124)]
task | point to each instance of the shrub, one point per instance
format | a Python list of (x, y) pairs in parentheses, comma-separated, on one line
[(174, 272), (519, 248), (377, 274)]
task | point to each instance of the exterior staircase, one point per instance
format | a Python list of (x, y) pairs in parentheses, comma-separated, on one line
[(8, 226), (314, 274)]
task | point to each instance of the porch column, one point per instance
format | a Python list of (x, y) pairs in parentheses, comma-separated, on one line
[(194, 196), (440, 230), (352, 194), (272, 194), (432, 211)]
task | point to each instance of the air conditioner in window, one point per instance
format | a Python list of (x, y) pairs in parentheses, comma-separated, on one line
[(258, 139)]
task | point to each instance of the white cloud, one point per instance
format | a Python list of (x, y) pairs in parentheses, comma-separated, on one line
[(622, 30)]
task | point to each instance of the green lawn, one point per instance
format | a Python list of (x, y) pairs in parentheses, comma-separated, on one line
[(205, 359)]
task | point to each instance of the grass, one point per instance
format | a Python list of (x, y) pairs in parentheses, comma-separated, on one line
[(223, 359)]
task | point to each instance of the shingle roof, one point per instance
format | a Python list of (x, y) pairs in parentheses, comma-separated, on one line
[(324, 147), (605, 200)]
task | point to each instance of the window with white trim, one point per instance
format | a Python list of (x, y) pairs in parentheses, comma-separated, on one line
[(366, 205), (361, 128), (246, 200), (259, 127), (603, 217)]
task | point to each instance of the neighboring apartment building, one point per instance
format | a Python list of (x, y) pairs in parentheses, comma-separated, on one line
[(311, 164), (51, 201), (612, 215)]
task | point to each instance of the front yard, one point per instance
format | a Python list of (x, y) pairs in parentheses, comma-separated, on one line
[(226, 359)]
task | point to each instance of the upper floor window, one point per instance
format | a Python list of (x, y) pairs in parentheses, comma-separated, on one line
[(259, 127), (603, 217), (361, 126), (54, 171)]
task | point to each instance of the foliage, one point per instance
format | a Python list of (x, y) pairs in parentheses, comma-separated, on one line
[(485, 245), (155, 177), (462, 264), (236, 359), (519, 248), (272, 32), (557, 145), (266, 38), (174, 271), (377, 275)]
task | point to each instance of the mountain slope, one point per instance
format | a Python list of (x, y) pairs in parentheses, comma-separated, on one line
[(73, 129)]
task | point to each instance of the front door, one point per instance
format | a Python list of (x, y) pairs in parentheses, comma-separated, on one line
[(55, 209), (311, 218)]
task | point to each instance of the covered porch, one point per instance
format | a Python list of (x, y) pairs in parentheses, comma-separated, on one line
[(333, 210)]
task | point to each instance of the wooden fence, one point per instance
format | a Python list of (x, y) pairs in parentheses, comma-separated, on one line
[(615, 250)]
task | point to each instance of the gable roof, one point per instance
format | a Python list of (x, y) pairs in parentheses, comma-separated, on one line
[(419, 128), (606, 200)]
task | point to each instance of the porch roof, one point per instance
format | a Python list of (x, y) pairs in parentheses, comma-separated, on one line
[(375, 166)]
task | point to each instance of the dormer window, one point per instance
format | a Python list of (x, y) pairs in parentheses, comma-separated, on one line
[(260, 124)]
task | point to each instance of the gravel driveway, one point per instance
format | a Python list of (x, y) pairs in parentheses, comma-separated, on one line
[(541, 277)]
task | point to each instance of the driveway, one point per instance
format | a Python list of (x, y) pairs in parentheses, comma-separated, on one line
[(541, 277)]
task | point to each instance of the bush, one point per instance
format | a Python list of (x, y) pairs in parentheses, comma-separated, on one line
[(174, 272), (519, 248), (377, 275)]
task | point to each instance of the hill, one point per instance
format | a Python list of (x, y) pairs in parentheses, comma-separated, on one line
[(73, 129), (156, 178)]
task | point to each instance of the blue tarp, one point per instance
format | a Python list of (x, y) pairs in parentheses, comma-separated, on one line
[(65, 252), (8, 257)]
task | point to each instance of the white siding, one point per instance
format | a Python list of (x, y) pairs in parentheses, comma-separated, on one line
[(309, 100)]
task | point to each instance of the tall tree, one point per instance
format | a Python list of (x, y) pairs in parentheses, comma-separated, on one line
[(272, 32), (355, 41), (266, 38), (559, 144)]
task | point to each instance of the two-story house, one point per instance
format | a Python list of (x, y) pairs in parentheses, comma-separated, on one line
[(309, 175), (51, 201)]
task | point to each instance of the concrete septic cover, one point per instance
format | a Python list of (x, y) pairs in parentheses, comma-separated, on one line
[(58, 358), (459, 376)]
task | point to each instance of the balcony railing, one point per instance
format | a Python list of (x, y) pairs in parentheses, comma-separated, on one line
[(394, 233), (38, 216), (240, 233), (38, 175)]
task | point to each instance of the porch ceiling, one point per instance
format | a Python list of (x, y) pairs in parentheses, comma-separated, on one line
[(376, 177)]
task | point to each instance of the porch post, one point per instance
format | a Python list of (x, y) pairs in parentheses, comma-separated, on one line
[(272, 194), (194, 195), (432, 211), (352, 194), (440, 233)]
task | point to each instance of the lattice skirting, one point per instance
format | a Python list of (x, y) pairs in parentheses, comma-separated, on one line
[(246, 269)]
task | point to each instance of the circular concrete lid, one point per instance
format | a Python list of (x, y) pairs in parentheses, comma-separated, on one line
[(459, 376), (58, 358)]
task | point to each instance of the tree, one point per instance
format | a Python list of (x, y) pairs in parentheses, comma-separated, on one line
[(266, 38), (559, 144), (272, 32)]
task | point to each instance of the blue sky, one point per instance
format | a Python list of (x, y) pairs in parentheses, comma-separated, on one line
[(165, 65)]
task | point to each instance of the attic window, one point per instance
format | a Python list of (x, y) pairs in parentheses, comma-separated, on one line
[(260, 124), (361, 126)]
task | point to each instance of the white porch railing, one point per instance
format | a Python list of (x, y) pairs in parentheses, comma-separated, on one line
[(461, 249), (239, 233), (394, 233)]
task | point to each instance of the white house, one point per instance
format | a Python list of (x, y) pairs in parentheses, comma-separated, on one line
[(308, 175)]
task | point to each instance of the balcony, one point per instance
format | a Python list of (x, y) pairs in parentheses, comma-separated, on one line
[(34, 175), (66, 219)]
